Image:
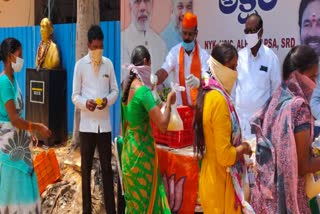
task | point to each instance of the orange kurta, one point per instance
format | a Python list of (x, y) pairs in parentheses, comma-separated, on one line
[(215, 184)]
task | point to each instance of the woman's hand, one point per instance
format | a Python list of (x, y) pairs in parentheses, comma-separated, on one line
[(246, 148), (43, 130)]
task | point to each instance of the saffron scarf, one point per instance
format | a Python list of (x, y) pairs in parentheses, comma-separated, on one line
[(195, 70)]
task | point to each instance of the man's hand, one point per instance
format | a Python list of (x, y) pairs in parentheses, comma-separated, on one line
[(91, 105), (153, 79), (192, 81), (103, 105)]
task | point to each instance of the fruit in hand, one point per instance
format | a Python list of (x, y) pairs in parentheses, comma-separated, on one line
[(99, 101)]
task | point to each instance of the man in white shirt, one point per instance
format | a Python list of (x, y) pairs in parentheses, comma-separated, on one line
[(172, 32), (187, 60), (258, 74), (94, 90), (139, 32)]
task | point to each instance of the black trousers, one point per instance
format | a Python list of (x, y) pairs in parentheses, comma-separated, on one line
[(88, 143), (121, 201)]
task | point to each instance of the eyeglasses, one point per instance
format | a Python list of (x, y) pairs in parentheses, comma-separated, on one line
[(251, 31)]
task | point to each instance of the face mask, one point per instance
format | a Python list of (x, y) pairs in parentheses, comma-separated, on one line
[(252, 39), (188, 46), (17, 66), (224, 75), (143, 71), (95, 56)]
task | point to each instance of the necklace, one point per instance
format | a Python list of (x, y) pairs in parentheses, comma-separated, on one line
[(42, 52)]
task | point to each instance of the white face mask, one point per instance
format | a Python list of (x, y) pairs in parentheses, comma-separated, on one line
[(252, 39), (17, 66)]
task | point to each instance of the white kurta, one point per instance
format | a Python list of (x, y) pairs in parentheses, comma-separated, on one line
[(258, 78), (172, 65)]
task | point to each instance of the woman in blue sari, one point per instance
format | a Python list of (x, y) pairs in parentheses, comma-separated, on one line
[(18, 183)]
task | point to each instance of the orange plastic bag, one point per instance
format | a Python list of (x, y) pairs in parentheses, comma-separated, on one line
[(47, 169)]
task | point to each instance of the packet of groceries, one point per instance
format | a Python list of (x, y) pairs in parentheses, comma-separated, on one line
[(175, 123)]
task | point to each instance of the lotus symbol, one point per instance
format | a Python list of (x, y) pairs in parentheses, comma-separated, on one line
[(174, 191)]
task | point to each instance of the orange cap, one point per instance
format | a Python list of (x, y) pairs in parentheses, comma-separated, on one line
[(189, 20)]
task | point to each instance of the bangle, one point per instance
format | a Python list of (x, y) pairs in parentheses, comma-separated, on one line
[(29, 126)]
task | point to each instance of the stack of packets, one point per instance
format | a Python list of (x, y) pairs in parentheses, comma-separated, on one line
[(313, 179)]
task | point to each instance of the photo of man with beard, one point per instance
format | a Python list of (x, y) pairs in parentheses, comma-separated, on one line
[(309, 23), (171, 34), (140, 32)]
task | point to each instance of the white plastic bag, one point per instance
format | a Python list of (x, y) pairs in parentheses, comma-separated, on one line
[(175, 123)]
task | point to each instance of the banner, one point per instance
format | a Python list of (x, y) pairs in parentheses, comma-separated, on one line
[(224, 20), (180, 178), (155, 24)]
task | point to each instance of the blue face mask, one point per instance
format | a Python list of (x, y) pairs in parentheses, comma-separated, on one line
[(188, 46)]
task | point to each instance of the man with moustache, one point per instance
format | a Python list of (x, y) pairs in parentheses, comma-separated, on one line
[(259, 74), (139, 32), (309, 22), (187, 61), (172, 33)]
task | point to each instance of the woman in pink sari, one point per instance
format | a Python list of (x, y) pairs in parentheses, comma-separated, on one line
[(284, 130)]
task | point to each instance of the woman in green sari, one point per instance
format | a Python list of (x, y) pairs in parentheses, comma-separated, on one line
[(143, 186)]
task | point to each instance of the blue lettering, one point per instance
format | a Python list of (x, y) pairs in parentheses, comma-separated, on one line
[(241, 19), (246, 7), (228, 6), (252, 4), (266, 6)]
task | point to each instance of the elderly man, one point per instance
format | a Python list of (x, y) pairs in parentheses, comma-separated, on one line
[(139, 32), (172, 33), (187, 61), (258, 74)]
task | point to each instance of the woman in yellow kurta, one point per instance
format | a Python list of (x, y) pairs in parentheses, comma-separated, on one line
[(218, 137)]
